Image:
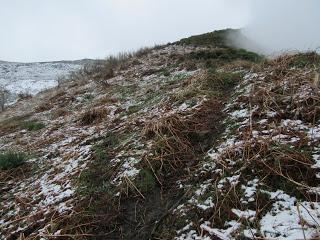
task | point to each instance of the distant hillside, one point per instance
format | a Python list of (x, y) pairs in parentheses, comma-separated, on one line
[(31, 78)]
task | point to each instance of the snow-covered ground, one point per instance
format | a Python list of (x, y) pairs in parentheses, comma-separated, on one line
[(32, 78)]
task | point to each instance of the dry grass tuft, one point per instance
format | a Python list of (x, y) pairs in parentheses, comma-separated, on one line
[(101, 71), (171, 140), (43, 107), (179, 139), (13, 123), (94, 116), (106, 100), (60, 112), (300, 60)]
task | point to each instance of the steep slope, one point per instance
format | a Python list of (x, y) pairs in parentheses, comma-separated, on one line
[(262, 179), (191, 140)]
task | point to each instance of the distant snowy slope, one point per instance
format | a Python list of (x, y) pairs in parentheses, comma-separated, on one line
[(34, 77)]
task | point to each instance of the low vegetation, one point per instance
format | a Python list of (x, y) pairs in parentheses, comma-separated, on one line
[(219, 83), (32, 125), (190, 140), (300, 60), (20, 122), (4, 94), (93, 116), (102, 70), (10, 160), (214, 39), (214, 58)]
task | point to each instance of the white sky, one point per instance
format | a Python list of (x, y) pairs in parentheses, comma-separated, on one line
[(47, 30)]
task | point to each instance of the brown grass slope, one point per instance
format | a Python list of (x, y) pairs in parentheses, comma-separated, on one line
[(125, 145)]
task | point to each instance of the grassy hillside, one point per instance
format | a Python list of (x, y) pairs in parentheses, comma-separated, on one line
[(192, 140), (215, 39)]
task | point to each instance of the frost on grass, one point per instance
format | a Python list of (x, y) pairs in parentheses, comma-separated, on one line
[(65, 148), (266, 122), (260, 179), (127, 170), (50, 190), (45, 187)]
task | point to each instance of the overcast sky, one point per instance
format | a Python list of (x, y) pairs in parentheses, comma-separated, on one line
[(43, 30)]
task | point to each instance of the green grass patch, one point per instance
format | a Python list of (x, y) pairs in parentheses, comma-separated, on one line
[(33, 125), (95, 179), (124, 92), (11, 159), (133, 109), (13, 123), (216, 38), (110, 140), (220, 82), (165, 72), (145, 181), (171, 82), (226, 55), (88, 97)]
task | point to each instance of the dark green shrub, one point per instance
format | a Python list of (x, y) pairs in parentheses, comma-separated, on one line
[(190, 65), (10, 160), (99, 152)]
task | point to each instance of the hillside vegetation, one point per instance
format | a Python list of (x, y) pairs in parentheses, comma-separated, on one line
[(190, 140)]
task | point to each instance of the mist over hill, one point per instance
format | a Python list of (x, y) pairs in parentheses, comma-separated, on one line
[(278, 26)]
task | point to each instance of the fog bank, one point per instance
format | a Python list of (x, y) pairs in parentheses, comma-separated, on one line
[(276, 26)]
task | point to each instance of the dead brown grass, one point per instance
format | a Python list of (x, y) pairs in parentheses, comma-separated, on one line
[(43, 107), (94, 116), (60, 112), (292, 93), (241, 65), (106, 100), (179, 139), (12, 124), (299, 60)]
